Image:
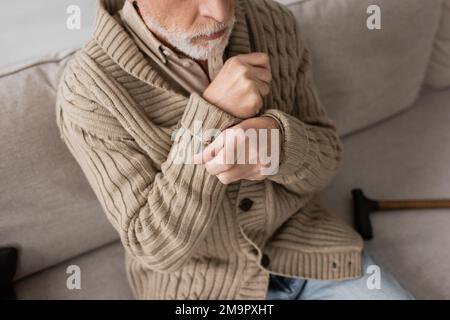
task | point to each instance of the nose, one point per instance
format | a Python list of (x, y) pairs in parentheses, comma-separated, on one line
[(219, 10)]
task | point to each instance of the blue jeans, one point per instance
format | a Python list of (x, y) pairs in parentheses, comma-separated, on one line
[(365, 287)]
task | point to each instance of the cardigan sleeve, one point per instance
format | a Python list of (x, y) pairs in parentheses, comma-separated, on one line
[(311, 150), (161, 214)]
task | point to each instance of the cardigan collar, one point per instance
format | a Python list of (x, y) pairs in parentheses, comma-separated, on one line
[(121, 48)]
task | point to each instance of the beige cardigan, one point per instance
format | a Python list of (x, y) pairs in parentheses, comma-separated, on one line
[(185, 234)]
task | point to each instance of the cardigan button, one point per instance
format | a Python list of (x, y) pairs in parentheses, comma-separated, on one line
[(245, 204), (265, 261)]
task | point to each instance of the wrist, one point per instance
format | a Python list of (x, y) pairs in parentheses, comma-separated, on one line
[(271, 121), (277, 125)]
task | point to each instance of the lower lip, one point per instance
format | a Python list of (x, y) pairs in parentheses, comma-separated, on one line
[(213, 36)]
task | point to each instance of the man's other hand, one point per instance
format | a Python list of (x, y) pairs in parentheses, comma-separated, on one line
[(250, 150), (241, 84)]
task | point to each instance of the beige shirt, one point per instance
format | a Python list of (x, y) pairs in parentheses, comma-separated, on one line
[(184, 70)]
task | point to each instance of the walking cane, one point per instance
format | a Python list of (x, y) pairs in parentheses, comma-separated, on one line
[(363, 207)]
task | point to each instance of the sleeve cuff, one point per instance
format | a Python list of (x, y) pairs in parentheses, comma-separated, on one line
[(200, 115), (295, 141)]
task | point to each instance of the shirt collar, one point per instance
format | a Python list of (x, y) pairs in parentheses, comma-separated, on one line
[(111, 36), (134, 23)]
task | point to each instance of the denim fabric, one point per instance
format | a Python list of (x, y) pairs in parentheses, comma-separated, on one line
[(286, 288)]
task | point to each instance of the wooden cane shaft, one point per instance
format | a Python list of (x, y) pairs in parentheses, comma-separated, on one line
[(414, 204)]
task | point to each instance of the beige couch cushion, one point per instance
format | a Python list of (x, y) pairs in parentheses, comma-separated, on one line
[(47, 208), (438, 75), (102, 275), (406, 157), (367, 75)]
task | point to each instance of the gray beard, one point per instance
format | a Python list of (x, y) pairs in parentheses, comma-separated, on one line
[(183, 42)]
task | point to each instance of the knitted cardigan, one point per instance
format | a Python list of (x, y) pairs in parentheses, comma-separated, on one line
[(186, 235)]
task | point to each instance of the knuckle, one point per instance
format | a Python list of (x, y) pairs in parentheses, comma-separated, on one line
[(256, 101), (233, 61), (253, 88), (260, 55), (232, 64), (224, 178), (247, 85), (244, 72), (264, 57)]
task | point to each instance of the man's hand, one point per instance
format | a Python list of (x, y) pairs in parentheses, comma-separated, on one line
[(238, 154), (241, 84)]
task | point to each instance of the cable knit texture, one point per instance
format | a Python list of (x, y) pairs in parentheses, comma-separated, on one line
[(185, 234)]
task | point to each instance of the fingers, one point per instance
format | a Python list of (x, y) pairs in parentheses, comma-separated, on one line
[(261, 74), (263, 87), (210, 151), (236, 173), (261, 77), (219, 164), (228, 171), (259, 59), (226, 157), (224, 165)]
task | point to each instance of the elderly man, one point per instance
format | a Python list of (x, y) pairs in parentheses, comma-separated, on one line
[(208, 228)]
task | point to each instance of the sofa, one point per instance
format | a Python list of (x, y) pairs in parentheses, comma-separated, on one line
[(387, 89)]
